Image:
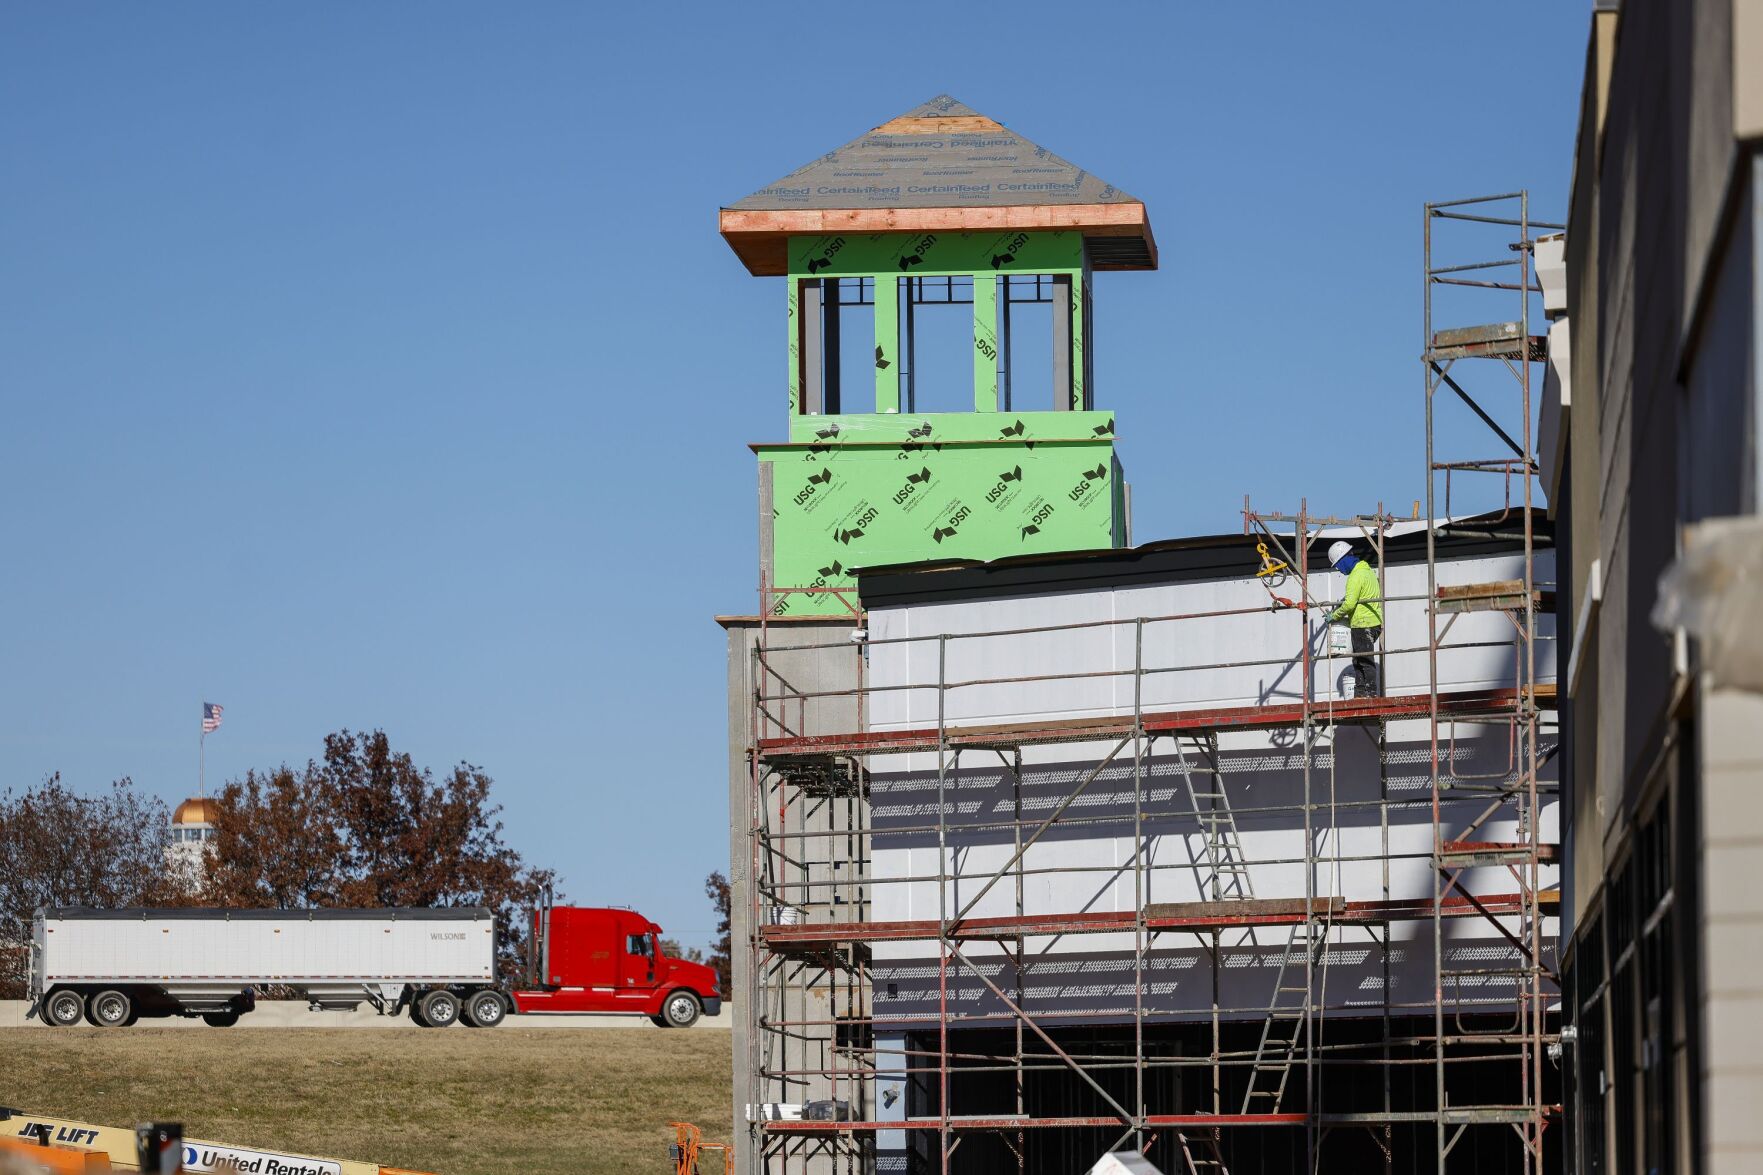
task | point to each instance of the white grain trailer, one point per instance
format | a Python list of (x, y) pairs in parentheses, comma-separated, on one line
[(112, 967)]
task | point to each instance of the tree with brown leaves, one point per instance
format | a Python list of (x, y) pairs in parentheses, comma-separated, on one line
[(59, 848), (276, 842), (366, 827)]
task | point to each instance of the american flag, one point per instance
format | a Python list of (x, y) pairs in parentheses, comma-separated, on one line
[(211, 716)]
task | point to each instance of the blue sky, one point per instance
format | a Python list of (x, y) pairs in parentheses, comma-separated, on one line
[(380, 365)]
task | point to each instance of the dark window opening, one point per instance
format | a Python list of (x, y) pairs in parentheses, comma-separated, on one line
[(939, 355)]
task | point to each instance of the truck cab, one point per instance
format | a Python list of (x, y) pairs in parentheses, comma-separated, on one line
[(600, 959)]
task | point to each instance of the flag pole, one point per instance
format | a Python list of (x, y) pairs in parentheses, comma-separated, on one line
[(210, 721)]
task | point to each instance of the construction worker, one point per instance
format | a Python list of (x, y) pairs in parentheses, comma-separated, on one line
[(1362, 609)]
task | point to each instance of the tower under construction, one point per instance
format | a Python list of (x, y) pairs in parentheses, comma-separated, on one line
[(1047, 845)]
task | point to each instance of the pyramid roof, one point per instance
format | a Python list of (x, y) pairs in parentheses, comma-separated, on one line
[(939, 167)]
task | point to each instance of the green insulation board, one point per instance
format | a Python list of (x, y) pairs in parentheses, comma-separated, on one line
[(925, 254), (854, 491)]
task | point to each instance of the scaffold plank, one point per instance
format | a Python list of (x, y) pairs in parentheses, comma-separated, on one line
[(1466, 1115), (1503, 596), (1340, 712), (1499, 340), (1489, 852), (1172, 916), (1194, 1121)]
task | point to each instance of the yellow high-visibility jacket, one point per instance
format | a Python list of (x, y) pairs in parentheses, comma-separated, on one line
[(1362, 606)]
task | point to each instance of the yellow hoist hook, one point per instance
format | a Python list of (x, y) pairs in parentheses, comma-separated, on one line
[(1269, 565)]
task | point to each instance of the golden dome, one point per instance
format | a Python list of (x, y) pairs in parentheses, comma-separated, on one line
[(198, 810)]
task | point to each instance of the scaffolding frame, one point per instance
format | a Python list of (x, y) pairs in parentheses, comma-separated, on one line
[(811, 1024), (1506, 281)]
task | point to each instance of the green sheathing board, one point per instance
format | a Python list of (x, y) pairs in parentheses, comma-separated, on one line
[(886, 257), (854, 491), (795, 315), (985, 346), (887, 343), (921, 254), (1078, 391)]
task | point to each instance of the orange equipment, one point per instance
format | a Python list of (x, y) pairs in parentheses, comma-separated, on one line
[(689, 1146), (51, 1159)]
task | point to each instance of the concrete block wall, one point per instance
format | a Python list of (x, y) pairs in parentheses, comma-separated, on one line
[(1731, 930)]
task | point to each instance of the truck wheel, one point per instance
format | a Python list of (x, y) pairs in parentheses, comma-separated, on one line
[(63, 1008), (440, 1008), (416, 1014), (681, 1009), (110, 1009), (484, 1009), (220, 1019)]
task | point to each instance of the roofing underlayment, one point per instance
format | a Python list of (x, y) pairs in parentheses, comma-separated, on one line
[(945, 167)]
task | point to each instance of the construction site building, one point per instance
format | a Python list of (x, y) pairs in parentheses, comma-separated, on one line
[(1651, 464), (1046, 846)]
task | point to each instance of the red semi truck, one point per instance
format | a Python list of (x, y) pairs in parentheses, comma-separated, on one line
[(589, 959)]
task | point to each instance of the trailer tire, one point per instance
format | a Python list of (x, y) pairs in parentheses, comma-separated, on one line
[(484, 1009), (440, 1008), (110, 1008), (416, 1013), (220, 1019), (680, 1009), (62, 1008)]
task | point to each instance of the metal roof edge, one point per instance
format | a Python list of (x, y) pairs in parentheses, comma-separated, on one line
[(749, 620), (1189, 559)]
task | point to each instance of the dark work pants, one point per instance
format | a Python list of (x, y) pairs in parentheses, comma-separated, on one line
[(1365, 662)]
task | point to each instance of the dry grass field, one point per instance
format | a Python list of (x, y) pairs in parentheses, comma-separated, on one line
[(454, 1102)]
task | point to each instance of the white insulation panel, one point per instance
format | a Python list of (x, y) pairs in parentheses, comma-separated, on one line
[(1370, 831), (1259, 646)]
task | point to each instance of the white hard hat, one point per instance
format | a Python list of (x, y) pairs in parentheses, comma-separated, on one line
[(1338, 551)]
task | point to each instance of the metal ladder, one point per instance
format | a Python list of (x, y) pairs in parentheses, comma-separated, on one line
[(1228, 870), (1282, 1032), (1283, 1028), (1210, 1158)]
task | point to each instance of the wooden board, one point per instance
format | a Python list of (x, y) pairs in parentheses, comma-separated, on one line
[(760, 238), (1246, 907), (972, 124)]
